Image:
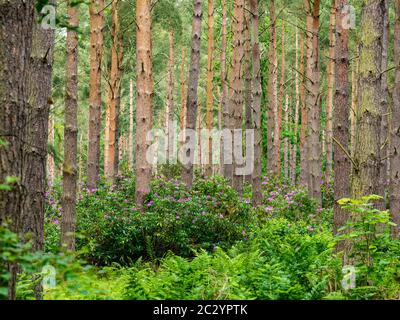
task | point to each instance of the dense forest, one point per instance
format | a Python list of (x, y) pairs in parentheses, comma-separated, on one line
[(202, 150)]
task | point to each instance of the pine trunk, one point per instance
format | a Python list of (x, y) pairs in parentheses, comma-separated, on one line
[(145, 93), (170, 100), (293, 162), (247, 74), (329, 103), (367, 145), (193, 81), (131, 124), (70, 134), (210, 76), (256, 103), (313, 105), (96, 16), (237, 85), (341, 120), (395, 133), (272, 88)]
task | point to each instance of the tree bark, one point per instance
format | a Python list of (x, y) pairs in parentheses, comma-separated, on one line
[(237, 99), (16, 19), (256, 103), (70, 134), (313, 106), (247, 75), (145, 93), (341, 120), (293, 161), (113, 100), (193, 81), (272, 88), (329, 102), (183, 94), (170, 100), (395, 133), (131, 124), (96, 14), (304, 169), (227, 168), (210, 87), (367, 145)]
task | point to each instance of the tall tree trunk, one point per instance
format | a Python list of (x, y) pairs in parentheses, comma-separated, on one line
[(296, 112), (354, 104), (113, 100), (329, 103), (170, 100), (210, 76), (145, 93), (70, 134), (272, 88), (385, 135), (96, 15), (193, 81), (16, 19), (256, 103), (237, 99), (341, 120), (247, 74), (131, 124), (200, 153), (183, 94), (367, 145), (227, 168), (304, 169), (278, 115), (51, 166), (34, 166), (395, 133), (313, 105), (219, 170), (286, 141)]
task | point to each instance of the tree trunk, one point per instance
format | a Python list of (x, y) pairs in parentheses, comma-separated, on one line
[(354, 104), (237, 99), (145, 93), (227, 168), (70, 134), (367, 145), (34, 167), (304, 169), (210, 76), (278, 114), (183, 94), (247, 74), (286, 141), (131, 124), (256, 105), (385, 135), (51, 167), (170, 100), (96, 54), (296, 113), (341, 120), (395, 133), (16, 19), (272, 88), (329, 102), (313, 106), (193, 81), (113, 100)]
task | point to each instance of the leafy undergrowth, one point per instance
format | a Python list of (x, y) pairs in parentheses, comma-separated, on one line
[(210, 243)]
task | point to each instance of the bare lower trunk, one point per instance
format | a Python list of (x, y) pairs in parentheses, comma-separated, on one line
[(329, 103), (145, 93), (170, 100), (193, 80), (313, 105), (304, 170), (367, 145), (272, 87), (395, 133), (341, 120), (296, 113), (131, 124), (70, 135), (256, 106), (247, 75), (96, 53)]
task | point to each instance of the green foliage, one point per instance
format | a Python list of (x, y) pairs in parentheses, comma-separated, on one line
[(173, 219), (374, 254)]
